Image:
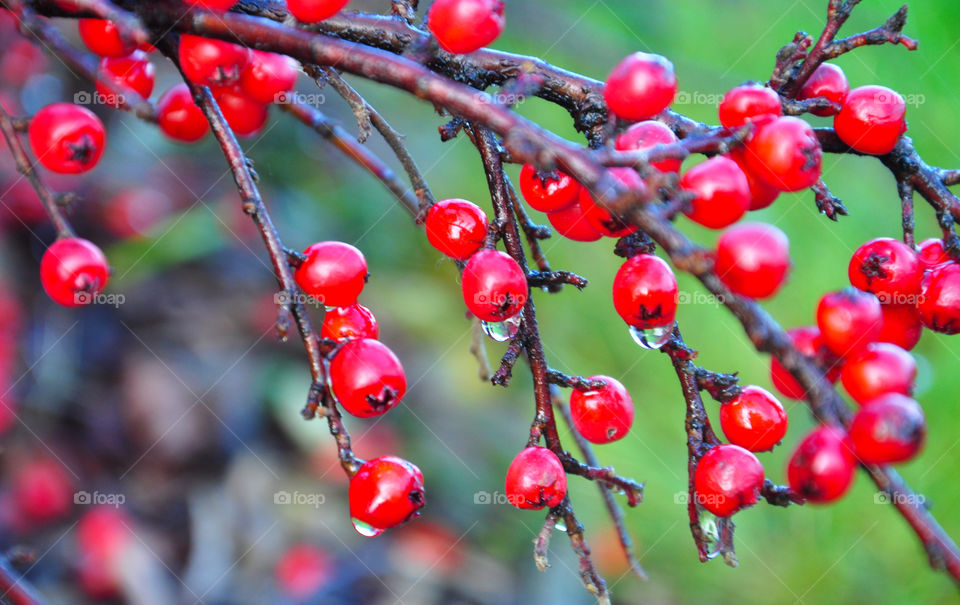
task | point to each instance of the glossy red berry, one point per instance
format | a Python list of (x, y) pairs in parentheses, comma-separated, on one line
[(179, 117), (536, 479), (494, 286), (749, 103), (599, 217), (67, 138), (646, 135), (571, 224), (103, 38), (888, 429), (879, 369), (901, 326), (645, 292), (211, 62), (214, 5), (349, 323), (762, 195), (728, 478), (548, 194), (753, 259), (602, 415), (244, 115), (754, 419), (312, 11), (872, 119), (41, 489), (134, 73), (849, 320), (73, 271), (829, 82), (932, 253), (640, 86), (785, 153), (386, 492), (456, 227), (721, 192), (888, 268), (333, 273), (303, 569), (939, 301), (823, 466), (367, 378), (806, 340), (463, 26), (268, 76)]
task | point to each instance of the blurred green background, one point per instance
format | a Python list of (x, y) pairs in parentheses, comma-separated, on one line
[(463, 433)]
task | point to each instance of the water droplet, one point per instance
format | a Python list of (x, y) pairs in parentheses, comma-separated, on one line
[(365, 529), (651, 338), (560, 525), (710, 530), (504, 330)]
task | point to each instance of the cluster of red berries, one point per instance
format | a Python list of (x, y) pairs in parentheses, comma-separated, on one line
[(366, 378)]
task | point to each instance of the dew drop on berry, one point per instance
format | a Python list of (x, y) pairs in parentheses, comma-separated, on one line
[(651, 338), (502, 331), (365, 529), (710, 530)]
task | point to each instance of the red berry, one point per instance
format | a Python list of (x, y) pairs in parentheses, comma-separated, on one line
[(753, 259), (749, 103), (640, 86), (823, 466), (872, 119), (104, 536), (599, 217), (879, 369), (243, 114), (754, 419), (761, 194), (312, 11), (334, 273), (571, 224), (646, 135), (932, 253), (103, 38), (901, 326), (602, 415), (728, 478), (179, 117), (42, 490), (211, 62), (645, 292), (536, 479), (463, 26), (303, 570), (67, 138), (548, 194), (806, 340), (73, 271), (888, 268), (268, 76), (785, 153), (134, 72), (888, 429), (494, 286), (827, 81), (386, 492), (849, 320), (349, 323), (939, 301), (367, 378), (456, 227), (214, 5), (721, 192)]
